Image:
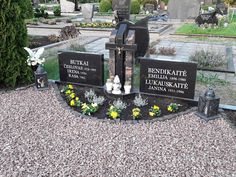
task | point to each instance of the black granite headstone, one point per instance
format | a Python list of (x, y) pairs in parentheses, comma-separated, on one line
[(141, 35), (123, 9), (81, 68), (168, 78)]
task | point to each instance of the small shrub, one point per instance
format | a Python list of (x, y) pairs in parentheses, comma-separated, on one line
[(119, 104), (40, 12), (140, 102), (154, 2), (53, 38), (68, 32), (135, 7), (166, 51), (208, 59), (105, 6), (57, 11), (89, 95)]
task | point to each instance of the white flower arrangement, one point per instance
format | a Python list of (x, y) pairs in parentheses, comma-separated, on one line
[(34, 57)]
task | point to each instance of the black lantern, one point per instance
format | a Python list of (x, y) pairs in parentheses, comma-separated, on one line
[(41, 78), (208, 105)]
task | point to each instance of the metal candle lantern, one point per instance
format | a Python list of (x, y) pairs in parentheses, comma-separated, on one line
[(208, 105), (41, 78)]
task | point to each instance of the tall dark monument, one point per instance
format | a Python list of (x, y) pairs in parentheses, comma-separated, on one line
[(122, 49)]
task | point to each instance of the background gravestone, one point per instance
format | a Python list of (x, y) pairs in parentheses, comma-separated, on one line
[(150, 8), (183, 9), (87, 11), (123, 8)]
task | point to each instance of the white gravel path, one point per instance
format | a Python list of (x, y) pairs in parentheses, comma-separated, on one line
[(40, 138)]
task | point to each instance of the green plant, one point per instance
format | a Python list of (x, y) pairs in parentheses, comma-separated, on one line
[(57, 11), (113, 112), (105, 6), (135, 7), (139, 101), (27, 9), (40, 12), (154, 111), (173, 107), (210, 79), (119, 104), (89, 95), (88, 109), (208, 59), (136, 113), (13, 37)]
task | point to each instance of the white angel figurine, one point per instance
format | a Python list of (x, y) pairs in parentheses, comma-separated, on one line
[(34, 57)]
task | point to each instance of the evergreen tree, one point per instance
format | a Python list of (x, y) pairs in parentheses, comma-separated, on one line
[(13, 36)]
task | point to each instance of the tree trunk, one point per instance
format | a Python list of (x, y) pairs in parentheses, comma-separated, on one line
[(76, 5)]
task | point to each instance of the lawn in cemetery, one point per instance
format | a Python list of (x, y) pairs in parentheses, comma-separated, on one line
[(118, 88)]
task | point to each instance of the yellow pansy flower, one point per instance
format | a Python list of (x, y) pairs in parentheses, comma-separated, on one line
[(76, 98), (72, 95), (170, 108), (114, 114), (72, 103), (68, 92), (152, 114), (136, 114), (84, 106), (70, 86), (155, 107), (136, 110)]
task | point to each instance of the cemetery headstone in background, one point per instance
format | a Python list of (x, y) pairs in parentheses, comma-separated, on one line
[(81, 68), (184, 9), (123, 9), (168, 78), (87, 11), (149, 8)]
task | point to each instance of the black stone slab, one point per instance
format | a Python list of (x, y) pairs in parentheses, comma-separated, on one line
[(123, 9), (141, 35), (81, 68), (168, 78)]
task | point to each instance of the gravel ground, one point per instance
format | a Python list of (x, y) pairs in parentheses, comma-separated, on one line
[(38, 137)]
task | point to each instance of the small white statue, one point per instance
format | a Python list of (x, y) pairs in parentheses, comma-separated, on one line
[(116, 86)]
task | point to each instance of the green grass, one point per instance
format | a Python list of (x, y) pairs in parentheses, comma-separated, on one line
[(194, 29), (52, 67)]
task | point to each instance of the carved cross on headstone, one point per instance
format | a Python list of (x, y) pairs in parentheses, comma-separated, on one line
[(122, 50)]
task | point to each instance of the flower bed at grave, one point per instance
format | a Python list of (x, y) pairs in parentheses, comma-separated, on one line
[(95, 25), (95, 102)]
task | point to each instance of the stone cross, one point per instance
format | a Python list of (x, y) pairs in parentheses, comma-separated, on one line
[(122, 49)]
